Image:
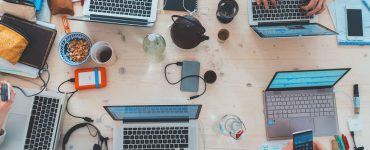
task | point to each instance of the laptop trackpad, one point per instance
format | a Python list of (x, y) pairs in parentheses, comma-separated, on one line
[(15, 132), (278, 128), (299, 124), (327, 126)]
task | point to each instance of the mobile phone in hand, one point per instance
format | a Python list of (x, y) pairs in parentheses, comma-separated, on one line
[(303, 140), (5, 92)]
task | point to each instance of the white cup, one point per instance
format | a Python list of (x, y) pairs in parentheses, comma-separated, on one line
[(102, 53)]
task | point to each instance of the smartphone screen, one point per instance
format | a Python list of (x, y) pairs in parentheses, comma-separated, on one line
[(190, 84), (354, 22), (303, 140)]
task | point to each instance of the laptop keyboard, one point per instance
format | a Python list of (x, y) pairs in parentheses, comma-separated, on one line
[(300, 105), (284, 10), (140, 8), (164, 138), (42, 122)]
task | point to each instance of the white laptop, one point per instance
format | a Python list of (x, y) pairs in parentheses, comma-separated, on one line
[(34, 122), (155, 127), (287, 19), (126, 12)]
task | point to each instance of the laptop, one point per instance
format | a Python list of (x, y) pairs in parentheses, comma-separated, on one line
[(301, 100), (125, 12), (287, 19), (34, 122), (155, 127)]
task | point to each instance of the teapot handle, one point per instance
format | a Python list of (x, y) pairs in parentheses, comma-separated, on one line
[(199, 25)]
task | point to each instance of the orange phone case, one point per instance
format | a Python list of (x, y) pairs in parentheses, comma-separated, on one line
[(92, 86)]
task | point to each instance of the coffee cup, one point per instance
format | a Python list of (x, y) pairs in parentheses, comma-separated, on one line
[(102, 53), (223, 35)]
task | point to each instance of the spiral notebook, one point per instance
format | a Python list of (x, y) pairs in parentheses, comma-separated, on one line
[(177, 5)]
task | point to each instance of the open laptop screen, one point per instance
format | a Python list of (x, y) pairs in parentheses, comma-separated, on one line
[(292, 30), (306, 79), (154, 112)]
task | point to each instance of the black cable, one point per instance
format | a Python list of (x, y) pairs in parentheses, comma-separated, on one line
[(354, 142), (87, 119), (45, 83), (190, 76)]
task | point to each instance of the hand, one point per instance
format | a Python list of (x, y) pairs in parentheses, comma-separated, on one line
[(316, 146), (5, 106), (266, 3), (314, 7)]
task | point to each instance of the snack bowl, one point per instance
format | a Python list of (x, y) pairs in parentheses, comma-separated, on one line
[(65, 50)]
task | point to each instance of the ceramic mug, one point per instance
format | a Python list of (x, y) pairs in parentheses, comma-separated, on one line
[(102, 53)]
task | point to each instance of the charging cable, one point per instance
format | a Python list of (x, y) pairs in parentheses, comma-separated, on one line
[(354, 142), (72, 80), (44, 82), (191, 76)]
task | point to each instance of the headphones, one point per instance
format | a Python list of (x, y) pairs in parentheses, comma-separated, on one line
[(102, 139)]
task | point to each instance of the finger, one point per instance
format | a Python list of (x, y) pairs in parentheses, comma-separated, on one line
[(318, 7), (266, 4), (274, 2), (317, 145), (322, 10), (310, 5), (258, 2)]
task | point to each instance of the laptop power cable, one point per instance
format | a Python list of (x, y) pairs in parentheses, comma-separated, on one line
[(72, 80)]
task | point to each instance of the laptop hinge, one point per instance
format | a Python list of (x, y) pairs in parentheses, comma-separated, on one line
[(302, 22), (154, 120)]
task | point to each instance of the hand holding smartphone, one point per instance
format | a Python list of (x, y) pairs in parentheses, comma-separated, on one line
[(5, 91), (303, 140)]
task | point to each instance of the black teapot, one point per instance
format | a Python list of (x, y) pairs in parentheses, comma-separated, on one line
[(187, 32)]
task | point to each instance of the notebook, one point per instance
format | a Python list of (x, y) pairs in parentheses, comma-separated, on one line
[(177, 5), (41, 41)]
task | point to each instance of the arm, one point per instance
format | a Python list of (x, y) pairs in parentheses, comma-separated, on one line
[(4, 109)]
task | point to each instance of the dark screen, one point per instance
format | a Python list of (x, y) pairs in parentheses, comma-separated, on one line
[(354, 22)]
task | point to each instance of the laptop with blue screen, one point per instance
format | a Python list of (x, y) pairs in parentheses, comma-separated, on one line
[(287, 19), (302, 100), (155, 126)]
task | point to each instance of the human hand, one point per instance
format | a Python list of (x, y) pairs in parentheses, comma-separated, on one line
[(316, 146), (6, 105), (266, 3), (314, 7)]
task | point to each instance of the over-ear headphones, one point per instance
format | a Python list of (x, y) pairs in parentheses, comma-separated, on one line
[(102, 140)]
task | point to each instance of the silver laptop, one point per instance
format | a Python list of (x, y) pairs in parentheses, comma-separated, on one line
[(162, 127), (34, 122), (287, 19), (301, 100), (126, 12)]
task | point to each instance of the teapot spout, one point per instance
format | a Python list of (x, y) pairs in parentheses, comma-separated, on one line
[(204, 37)]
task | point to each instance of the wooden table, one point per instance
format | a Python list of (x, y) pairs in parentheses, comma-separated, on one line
[(244, 63)]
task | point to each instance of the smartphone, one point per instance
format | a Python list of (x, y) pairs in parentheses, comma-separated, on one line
[(354, 24), (5, 92), (189, 68), (303, 140)]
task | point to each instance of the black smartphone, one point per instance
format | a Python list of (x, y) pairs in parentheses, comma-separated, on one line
[(303, 140), (189, 68), (354, 24)]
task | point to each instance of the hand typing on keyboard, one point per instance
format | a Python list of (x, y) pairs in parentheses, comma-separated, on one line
[(311, 8)]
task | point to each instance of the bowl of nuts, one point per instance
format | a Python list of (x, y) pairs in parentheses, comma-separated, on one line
[(74, 48)]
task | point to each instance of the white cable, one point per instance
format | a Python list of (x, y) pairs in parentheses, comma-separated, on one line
[(191, 13)]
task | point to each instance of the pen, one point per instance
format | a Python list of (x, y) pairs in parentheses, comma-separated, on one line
[(356, 99), (345, 140)]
